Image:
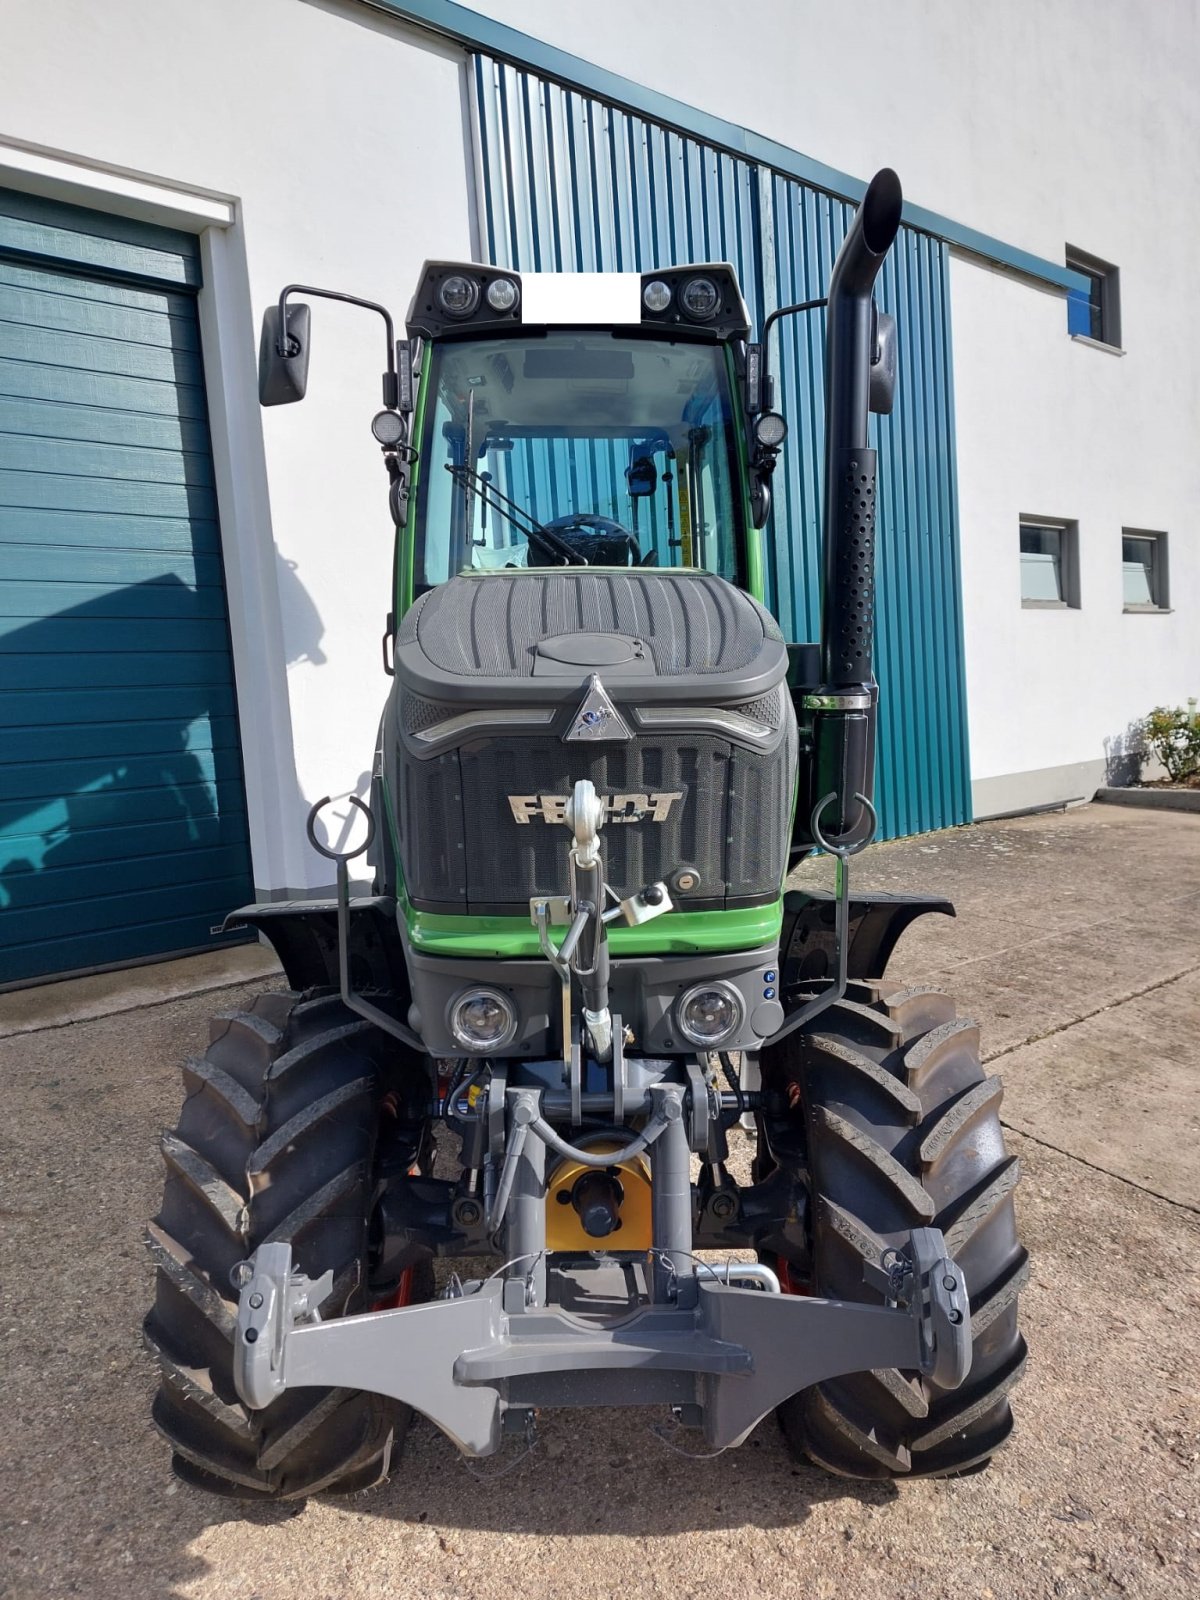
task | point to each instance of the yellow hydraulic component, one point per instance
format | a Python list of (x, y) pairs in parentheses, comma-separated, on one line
[(564, 1230)]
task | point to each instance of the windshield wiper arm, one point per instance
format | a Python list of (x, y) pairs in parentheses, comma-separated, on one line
[(532, 530)]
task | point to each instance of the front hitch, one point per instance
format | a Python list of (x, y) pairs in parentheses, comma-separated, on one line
[(723, 1356)]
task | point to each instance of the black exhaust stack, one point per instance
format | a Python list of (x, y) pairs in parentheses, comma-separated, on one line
[(845, 709)]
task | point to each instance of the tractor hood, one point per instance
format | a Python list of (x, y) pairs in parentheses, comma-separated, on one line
[(665, 689), (516, 638)]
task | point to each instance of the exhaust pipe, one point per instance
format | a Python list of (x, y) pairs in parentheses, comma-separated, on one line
[(849, 520), (844, 731)]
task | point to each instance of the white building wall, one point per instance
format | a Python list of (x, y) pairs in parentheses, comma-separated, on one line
[(1039, 122), (341, 136)]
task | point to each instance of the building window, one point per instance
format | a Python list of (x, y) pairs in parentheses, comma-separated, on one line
[(1144, 570), (1049, 564), (1095, 314)]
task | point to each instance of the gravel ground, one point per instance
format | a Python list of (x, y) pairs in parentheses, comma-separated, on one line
[(1096, 1496)]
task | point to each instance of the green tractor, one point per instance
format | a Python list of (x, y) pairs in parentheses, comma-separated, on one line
[(578, 971)]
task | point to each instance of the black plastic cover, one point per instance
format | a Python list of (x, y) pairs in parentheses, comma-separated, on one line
[(692, 638)]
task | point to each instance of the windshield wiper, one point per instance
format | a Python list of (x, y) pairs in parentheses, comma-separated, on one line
[(551, 542)]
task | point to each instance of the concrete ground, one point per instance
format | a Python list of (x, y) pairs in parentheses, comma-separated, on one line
[(1077, 945)]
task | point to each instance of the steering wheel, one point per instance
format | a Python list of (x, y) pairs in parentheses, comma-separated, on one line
[(605, 543)]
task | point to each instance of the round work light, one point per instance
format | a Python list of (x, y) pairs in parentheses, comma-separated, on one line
[(483, 1019), (502, 294), (656, 296), (389, 427), (700, 298), (458, 296), (770, 430), (710, 1014)]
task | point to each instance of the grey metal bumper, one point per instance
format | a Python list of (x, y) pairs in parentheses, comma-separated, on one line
[(725, 1356)]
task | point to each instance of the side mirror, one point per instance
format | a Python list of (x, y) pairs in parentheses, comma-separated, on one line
[(882, 392), (283, 356)]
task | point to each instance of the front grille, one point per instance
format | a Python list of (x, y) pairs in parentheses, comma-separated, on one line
[(461, 840), (419, 714)]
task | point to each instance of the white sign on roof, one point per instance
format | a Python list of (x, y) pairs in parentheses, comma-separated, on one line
[(581, 298)]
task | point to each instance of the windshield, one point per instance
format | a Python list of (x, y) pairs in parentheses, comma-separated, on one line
[(577, 447)]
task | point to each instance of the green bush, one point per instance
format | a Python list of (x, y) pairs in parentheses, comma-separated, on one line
[(1174, 736)]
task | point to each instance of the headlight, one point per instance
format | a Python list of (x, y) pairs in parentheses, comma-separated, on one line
[(656, 296), (458, 296), (709, 1014), (502, 294), (770, 430), (483, 1019), (700, 298)]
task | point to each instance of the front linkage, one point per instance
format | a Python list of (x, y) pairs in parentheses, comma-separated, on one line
[(718, 1343), (479, 1363)]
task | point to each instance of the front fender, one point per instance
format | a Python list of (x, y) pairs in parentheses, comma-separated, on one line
[(808, 952), (303, 934)]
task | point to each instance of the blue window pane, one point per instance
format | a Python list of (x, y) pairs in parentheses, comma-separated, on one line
[(1079, 312)]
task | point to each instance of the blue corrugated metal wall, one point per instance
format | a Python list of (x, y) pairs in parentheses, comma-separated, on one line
[(570, 183), (123, 827)]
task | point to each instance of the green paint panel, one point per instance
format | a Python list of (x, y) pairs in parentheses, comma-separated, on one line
[(123, 827), (677, 933)]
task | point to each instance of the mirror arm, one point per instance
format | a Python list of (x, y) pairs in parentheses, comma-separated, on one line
[(763, 398), (391, 382)]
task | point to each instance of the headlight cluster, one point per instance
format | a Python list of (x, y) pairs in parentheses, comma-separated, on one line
[(699, 298), (710, 1014), (458, 296)]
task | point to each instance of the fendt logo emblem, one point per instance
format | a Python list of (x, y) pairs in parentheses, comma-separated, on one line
[(527, 808)]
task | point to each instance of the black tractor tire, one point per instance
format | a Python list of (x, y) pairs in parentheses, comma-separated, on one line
[(276, 1141), (903, 1131)]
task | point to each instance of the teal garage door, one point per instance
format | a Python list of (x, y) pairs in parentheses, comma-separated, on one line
[(122, 811)]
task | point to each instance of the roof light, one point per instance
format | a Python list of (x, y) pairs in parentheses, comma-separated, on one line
[(700, 298), (458, 296), (502, 294), (656, 296)]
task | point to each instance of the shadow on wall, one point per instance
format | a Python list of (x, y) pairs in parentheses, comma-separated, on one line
[(1125, 754), (302, 625), (123, 829)]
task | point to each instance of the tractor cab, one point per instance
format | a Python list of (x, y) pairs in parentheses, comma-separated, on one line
[(578, 420)]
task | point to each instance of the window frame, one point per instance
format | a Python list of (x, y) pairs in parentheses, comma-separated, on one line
[(1068, 531), (1108, 277), (1160, 573)]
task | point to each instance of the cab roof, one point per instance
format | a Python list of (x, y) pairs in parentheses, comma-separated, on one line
[(457, 298)]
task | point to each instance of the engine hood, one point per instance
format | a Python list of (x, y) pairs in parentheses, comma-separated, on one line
[(483, 639)]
